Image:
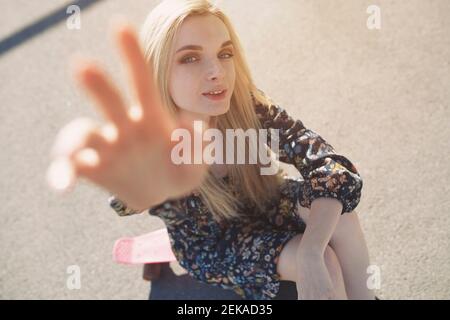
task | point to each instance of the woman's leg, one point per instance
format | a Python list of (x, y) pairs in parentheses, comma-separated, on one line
[(287, 268), (350, 247)]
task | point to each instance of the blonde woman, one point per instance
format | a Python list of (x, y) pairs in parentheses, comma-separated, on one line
[(229, 225)]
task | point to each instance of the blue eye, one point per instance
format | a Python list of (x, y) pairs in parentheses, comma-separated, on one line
[(230, 55), (188, 59)]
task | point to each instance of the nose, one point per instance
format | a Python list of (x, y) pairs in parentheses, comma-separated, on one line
[(216, 71)]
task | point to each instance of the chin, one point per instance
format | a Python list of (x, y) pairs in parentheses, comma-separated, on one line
[(220, 111)]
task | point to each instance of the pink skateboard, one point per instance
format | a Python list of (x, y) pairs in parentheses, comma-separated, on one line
[(153, 247)]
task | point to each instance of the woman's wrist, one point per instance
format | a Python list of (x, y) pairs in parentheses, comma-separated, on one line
[(310, 252), (120, 207)]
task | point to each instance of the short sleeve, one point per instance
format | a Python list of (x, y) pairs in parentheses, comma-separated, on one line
[(326, 173)]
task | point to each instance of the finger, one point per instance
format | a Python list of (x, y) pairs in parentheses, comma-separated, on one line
[(141, 74), (64, 171), (76, 153), (88, 162), (77, 134), (107, 96)]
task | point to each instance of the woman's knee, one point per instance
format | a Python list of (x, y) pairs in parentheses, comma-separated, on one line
[(287, 260)]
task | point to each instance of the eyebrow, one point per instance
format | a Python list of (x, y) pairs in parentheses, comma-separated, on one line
[(195, 47)]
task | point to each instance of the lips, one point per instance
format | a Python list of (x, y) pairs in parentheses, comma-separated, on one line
[(214, 90), (216, 97)]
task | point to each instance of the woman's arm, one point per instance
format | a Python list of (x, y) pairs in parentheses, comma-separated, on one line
[(312, 272), (347, 242), (326, 173), (323, 218)]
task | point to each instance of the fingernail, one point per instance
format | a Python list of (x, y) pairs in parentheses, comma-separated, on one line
[(60, 174)]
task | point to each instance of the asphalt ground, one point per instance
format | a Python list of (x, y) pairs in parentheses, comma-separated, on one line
[(380, 97)]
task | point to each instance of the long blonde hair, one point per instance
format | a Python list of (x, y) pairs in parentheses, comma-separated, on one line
[(247, 185)]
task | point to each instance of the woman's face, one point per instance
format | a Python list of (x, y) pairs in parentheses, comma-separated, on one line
[(202, 61)]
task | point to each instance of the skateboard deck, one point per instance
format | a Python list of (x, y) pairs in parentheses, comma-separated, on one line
[(153, 247)]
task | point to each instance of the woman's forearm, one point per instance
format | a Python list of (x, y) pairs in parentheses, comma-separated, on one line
[(322, 221), (313, 279)]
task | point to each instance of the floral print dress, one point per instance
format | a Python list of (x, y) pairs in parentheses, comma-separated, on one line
[(242, 255)]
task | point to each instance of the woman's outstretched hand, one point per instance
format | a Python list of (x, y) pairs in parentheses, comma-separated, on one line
[(130, 155)]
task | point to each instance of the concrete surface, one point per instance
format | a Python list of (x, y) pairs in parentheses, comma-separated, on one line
[(381, 97)]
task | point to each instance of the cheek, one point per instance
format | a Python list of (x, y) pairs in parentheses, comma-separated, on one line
[(183, 87), (180, 83)]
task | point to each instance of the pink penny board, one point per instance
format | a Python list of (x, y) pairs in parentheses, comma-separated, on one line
[(153, 247)]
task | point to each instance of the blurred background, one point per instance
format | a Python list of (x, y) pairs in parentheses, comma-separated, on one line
[(379, 96)]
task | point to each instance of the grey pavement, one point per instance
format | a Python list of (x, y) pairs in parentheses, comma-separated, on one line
[(380, 97)]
